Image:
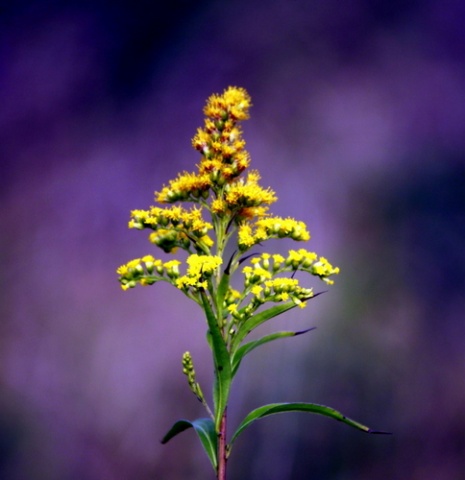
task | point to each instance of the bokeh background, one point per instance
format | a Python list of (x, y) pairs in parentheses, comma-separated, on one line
[(358, 124)]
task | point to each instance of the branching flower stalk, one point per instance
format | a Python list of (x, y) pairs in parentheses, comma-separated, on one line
[(236, 209)]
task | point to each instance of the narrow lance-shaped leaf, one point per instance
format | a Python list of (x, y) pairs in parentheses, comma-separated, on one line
[(274, 408), (205, 429), (221, 360), (248, 347), (255, 320), (222, 289)]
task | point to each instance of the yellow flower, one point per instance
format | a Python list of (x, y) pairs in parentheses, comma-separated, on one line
[(186, 186), (245, 237), (219, 206), (172, 268), (209, 166), (138, 218), (323, 269), (201, 140), (282, 284), (200, 268), (220, 141), (278, 260), (202, 264), (185, 282), (122, 270), (235, 103), (248, 193), (256, 289), (174, 227), (206, 241), (133, 272), (232, 308), (167, 240), (284, 227), (301, 259), (238, 101), (271, 227), (232, 296), (255, 275)]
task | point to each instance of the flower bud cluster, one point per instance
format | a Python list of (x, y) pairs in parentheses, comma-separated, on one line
[(174, 227), (146, 271), (262, 283), (189, 372), (284, 289), (310, 262), (231, 298), (297, 260), (259, 280), (262, 289)]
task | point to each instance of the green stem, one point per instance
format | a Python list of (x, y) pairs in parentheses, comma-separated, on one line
[(222, 448)]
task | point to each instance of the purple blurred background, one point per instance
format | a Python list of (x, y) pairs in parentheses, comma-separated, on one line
[(358, 124)]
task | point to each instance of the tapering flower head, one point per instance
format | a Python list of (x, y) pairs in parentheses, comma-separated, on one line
[(229, 205)]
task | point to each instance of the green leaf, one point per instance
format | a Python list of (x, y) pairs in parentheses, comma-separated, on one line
[(205, 429), (255, 320), (274, 408), (222, 290), (248, 347), (221, 360)]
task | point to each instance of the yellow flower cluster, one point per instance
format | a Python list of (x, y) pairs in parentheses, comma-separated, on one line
[(238, 205), (283, 289), (261, 288), (261, 282), (309, 262), (174, 227), (244, 198), (186, 187), (234, 104), (200, 269), (222, 148), (297, 260), (148, 270), (263, 285), (270, 227), (232, 298)]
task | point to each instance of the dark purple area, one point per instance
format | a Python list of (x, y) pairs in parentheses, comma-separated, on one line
[(358, 124)]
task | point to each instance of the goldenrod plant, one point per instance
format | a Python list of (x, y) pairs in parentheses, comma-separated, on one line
[(229, 208)]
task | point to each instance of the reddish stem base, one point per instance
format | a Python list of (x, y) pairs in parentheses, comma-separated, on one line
[(222, 453)]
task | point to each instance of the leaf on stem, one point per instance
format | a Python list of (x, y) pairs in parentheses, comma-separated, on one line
[(205, 429), (241, 352), (222, 288), (274, 408), (221, 360), (255, 320)]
